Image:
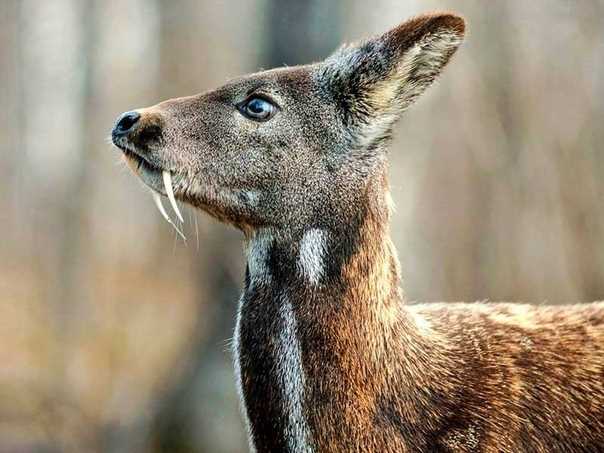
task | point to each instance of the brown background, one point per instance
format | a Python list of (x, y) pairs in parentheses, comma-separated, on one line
[(114, 335)]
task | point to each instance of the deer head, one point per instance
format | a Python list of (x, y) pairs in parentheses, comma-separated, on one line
[(292, 147)]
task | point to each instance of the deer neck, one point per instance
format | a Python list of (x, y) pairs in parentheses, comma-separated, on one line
[(320, 307), (345, 252)]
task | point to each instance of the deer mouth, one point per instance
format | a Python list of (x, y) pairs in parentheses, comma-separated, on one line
[(157, 179), (148, 172)]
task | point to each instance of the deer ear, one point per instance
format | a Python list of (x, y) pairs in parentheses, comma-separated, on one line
[(374, 81)]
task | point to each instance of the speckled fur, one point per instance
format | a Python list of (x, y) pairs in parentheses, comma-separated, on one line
[(328, 356)]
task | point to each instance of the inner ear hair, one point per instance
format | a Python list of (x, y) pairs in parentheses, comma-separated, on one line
[(425, 45), (377, 79)]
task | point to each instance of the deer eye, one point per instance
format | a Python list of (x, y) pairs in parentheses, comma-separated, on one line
[(257, 108)]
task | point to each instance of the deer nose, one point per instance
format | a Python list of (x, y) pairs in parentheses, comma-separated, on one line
[(125, 124)]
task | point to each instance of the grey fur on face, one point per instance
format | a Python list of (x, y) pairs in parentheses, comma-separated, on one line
[(312, 160)]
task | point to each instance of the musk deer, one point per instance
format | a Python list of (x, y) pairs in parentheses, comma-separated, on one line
[(328, 357)]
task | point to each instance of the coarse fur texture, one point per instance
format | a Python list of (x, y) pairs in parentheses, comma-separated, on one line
[(328, 357)]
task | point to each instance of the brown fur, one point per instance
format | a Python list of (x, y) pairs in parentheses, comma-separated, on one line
[(375, 375)]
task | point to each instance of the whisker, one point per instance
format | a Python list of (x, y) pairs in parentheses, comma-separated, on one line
[(196, 230), (174, 244), (162, 211), (228, 345)]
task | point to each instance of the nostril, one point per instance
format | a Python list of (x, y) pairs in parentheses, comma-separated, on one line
[(126, 122), (149, 134)]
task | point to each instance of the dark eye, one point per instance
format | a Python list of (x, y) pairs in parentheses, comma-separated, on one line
[(258, 109)]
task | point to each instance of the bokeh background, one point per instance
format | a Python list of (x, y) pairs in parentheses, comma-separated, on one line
[(114, 335)]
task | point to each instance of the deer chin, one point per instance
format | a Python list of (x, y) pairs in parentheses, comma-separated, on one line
[(160, 183), (148, 173)]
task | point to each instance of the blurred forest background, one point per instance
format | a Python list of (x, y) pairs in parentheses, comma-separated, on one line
[(114, 334)]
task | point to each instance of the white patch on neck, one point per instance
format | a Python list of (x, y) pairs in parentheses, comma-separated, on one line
[(257, 258), (292, 381), (237, 364), (312, 251), (252, 197)]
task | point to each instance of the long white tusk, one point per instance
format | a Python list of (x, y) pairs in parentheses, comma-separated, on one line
[(160, 206), (170, 191), (162, 210)]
